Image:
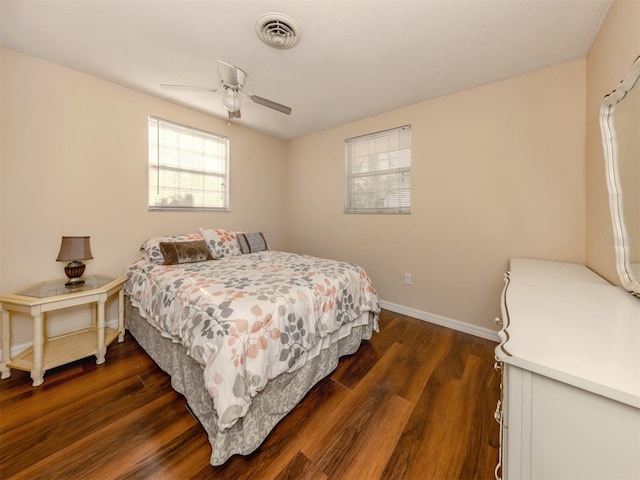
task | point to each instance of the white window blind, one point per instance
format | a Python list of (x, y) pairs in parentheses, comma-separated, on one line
[(188, 168), (379, 172)]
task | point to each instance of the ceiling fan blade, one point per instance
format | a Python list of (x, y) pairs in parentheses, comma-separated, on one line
[(271, 104), (193, 88), (231, 75)]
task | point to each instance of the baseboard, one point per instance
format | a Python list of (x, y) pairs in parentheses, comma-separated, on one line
[(16, 349), (442, 321)]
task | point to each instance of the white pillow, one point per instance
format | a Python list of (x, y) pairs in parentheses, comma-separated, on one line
[(151, 248), (222, 243)]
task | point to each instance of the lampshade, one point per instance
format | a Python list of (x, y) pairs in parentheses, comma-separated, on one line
[(74, 248)]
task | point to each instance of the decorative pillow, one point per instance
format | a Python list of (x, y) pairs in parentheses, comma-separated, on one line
[(222, 243), (252, 242), (151, 248), (176, 253)]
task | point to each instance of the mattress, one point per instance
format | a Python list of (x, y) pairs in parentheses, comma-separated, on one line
[(244, 321)]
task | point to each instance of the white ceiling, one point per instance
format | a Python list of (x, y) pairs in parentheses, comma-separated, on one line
[(355, 58)]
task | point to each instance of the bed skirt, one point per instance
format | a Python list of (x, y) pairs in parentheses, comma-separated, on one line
[(277, 399)]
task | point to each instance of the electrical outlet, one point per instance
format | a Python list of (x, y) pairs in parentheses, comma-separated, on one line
[(407, 279)]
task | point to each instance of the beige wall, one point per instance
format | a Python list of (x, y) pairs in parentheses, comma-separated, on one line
[(613, 51), (498, 171), (74, 162)]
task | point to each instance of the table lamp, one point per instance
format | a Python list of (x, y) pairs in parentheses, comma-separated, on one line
[(73, 250)]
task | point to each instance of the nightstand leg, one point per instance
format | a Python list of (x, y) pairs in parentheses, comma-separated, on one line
[(6, 344), (94, 315), (37, 372), (102, 350), (121, 315)]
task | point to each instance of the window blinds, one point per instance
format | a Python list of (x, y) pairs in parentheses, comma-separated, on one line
[(379, 172), (188, 168)]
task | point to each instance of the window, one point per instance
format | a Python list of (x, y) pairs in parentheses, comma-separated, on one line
[(379, 172), (188, 168)]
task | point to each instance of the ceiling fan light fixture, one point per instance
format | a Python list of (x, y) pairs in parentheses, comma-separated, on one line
[(231, 101), (277, 30)]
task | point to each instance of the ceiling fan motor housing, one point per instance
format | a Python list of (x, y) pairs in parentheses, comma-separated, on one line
[(277, 30)]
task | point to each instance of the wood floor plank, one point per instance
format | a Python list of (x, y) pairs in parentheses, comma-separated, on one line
[(180, 456), (366, 414), (354, 367), (460, 416), (369, 393), (349, 455), (63, 427), (301, 468), (415, 402), (55, 393), (158, 420), (442, 439), (20, 381)]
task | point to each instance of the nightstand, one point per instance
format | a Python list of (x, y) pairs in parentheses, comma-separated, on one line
[(50, 352)]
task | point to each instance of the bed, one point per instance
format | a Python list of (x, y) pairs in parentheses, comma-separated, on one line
[(244, 332)]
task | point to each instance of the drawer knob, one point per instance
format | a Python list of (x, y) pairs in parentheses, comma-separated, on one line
[(498, 413)]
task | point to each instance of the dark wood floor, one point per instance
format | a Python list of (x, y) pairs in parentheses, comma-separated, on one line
[(415, 402)]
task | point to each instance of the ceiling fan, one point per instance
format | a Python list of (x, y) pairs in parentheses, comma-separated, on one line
[(231, 82)]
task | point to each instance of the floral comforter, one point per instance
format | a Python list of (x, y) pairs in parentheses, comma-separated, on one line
[(248, 318)]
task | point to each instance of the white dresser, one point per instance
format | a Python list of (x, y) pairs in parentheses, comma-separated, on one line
[(570, 362)]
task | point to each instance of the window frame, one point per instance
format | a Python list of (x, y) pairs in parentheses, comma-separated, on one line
[(153, 162), (398, 208)]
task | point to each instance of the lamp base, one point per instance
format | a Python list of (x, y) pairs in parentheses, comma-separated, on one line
[(74, 271)]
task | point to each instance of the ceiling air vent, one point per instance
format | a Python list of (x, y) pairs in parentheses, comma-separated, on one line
[(277, 30)]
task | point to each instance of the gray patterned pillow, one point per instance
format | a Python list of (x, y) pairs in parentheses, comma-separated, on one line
[(252, 242), (176, 253)]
